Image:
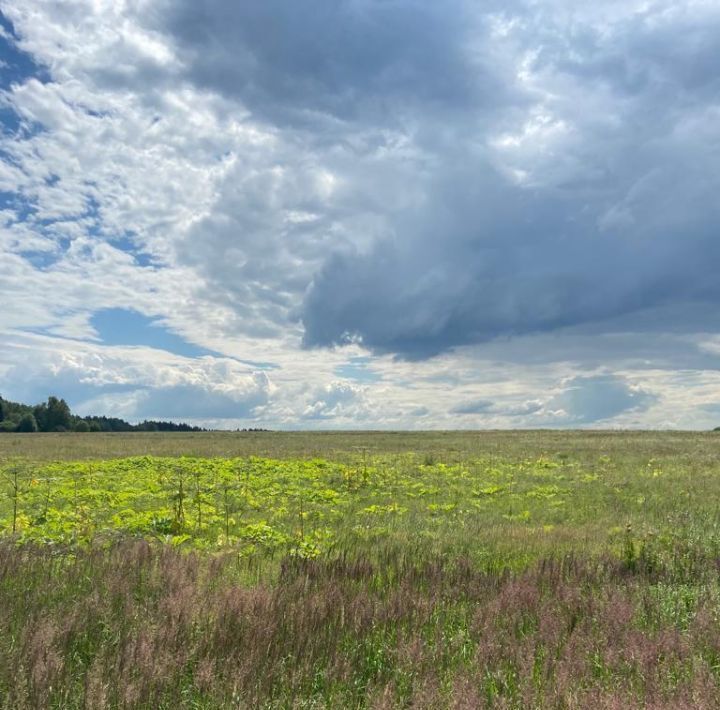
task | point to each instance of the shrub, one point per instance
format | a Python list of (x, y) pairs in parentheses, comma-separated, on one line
[(27, 424)]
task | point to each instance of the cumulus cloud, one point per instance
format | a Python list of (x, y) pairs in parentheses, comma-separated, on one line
[(596, 398), (139, 381), (337, 400)]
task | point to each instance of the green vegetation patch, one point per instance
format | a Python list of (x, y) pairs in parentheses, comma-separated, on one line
[(497, 510)]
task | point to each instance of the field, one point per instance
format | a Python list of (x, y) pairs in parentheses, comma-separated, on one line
[(353, 570)]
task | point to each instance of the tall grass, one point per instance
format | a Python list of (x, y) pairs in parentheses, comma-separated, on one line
[(136, 625)]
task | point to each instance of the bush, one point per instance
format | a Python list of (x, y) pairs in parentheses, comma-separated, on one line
[(27, 424)]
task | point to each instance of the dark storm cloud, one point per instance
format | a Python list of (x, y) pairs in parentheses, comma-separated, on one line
[(558, 167), (616, 216), (646, 52), (508, 264), (346, 58)]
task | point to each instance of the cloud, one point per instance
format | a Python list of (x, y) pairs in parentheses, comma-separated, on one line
[(140, 382), (586, 400), (351, 61), (337, 400), (202, 402), (478, 406), (496, 409), (572, 216)]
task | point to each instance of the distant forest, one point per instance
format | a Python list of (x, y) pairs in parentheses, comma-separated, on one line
[(55, 415)]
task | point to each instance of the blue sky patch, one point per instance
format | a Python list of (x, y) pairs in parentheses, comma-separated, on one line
[(126, 244), (16, 66), (357, 369), (119, 326), (42, 260)]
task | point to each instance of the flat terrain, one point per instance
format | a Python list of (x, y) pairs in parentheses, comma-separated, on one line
[(458, 569), (449, 446)]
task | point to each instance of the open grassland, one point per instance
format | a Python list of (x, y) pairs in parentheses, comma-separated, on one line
[(528, 569), (585, 446)]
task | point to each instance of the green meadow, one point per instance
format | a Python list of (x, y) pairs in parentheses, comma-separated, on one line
[(526, 569)]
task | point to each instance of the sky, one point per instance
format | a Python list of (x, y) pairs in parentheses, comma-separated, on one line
[(366, 214)]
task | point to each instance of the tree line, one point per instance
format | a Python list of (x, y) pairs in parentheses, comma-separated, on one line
[(55, 415)]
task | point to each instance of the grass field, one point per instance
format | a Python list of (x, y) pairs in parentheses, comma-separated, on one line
[(526, 569)]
